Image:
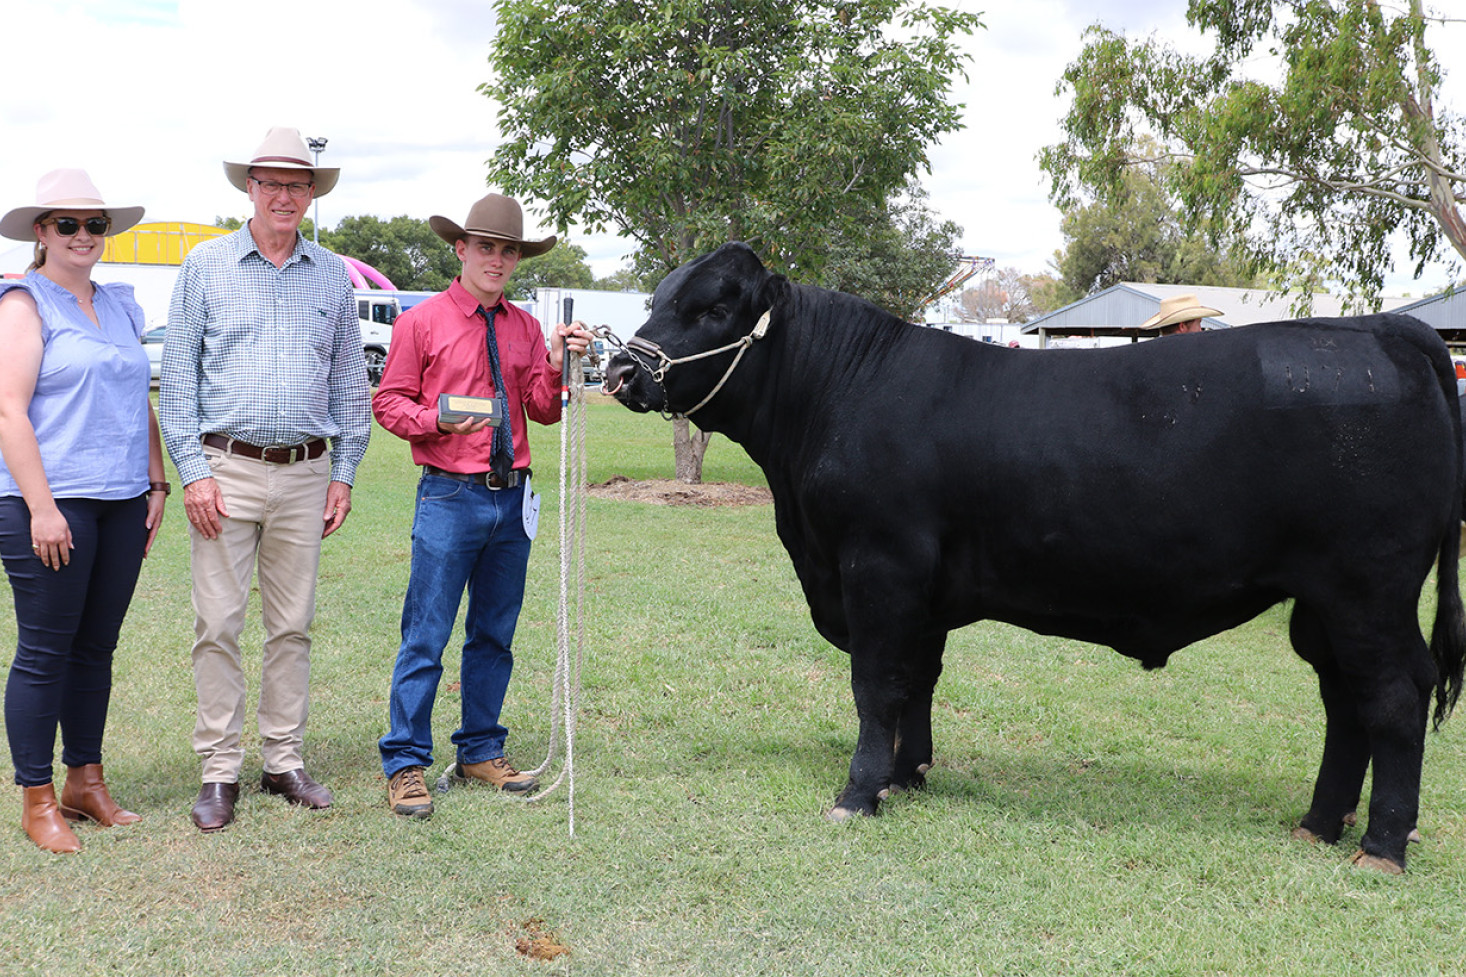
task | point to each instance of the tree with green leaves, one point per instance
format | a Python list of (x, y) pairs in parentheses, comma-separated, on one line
[(563, 266), (685, 124), (897, 258), (1135, 232), (1319, 167), (690, 123)]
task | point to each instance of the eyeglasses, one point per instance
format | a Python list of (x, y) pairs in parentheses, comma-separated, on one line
[(272, 187), (68, 226)]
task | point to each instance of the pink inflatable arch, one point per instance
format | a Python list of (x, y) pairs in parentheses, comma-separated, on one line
[(360, 272)]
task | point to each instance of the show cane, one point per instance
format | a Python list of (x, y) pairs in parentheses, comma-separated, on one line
[(567, 318)]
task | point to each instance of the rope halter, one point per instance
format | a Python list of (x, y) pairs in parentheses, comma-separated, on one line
[(644, 349)]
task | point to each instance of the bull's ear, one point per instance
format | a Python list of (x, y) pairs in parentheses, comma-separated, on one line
[(771, 294)]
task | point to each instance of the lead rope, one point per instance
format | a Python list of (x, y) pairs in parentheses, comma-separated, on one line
[(565, 687)]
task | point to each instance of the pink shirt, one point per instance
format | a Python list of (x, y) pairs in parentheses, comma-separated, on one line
[(438, 347)]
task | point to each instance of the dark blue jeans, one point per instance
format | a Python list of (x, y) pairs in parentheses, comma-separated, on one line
[(68, 621), (464, 536)]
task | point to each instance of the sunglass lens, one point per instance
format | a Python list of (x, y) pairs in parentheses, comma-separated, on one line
[(67, 226), (97, 226)]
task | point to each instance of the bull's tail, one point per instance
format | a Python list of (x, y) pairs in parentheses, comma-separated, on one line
[(1448, 634)]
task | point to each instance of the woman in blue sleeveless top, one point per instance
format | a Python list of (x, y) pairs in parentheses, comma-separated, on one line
[(82, 487)]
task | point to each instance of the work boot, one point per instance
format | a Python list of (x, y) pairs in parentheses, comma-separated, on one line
[(43, 822), (407, 794), (497, 773), (85, 797)]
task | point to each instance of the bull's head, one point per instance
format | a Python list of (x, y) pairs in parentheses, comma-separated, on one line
[(704, 317)]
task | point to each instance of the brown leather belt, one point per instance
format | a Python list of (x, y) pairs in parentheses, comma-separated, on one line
[(275, 454), (488, 479)]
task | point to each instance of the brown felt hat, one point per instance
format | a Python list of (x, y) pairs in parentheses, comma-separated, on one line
[(495, 216)]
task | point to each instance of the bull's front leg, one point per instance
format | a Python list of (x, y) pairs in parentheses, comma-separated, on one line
[(914, 728), (881, 688)]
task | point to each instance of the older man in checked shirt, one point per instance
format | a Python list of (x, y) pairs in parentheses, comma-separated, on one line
[(265, 409)]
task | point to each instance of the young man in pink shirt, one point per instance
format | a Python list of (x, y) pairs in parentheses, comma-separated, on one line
[(474, 518)]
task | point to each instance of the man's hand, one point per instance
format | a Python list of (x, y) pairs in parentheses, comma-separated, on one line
[(575, 335), (338, 504), (466, 426), (204, 504)]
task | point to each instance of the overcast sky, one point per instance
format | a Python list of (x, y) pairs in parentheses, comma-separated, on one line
[(151, 96)]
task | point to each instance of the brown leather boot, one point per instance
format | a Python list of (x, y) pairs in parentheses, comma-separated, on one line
[(85, 796), (43, 822)]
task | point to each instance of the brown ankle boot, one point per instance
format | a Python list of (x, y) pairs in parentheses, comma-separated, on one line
[(85, 796), (43, 822)]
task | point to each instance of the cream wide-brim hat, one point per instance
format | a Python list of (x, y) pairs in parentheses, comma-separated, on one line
[(495, 216), (65, 189), (284, 149), (1178, 308)]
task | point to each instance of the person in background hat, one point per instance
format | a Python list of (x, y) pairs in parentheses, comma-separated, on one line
[(81, 495), (1178, 314), (475, 511), (266, 412)]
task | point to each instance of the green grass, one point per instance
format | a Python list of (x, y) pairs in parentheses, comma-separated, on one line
[(1085, 817)]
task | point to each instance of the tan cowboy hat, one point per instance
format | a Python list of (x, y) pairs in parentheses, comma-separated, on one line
[(495, 216), (284, 149), (1178, 308), (65, 190)]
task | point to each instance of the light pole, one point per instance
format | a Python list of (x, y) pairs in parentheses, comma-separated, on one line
[(317, 146)]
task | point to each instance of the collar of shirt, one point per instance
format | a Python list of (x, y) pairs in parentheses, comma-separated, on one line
[(243, 242), (467, 304)]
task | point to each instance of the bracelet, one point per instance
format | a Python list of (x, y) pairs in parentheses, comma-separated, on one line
[(163, 487)]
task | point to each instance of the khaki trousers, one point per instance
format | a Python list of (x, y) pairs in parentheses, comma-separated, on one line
[(274, 523)]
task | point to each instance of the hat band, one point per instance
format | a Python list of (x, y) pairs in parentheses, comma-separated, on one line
[(279, 159)]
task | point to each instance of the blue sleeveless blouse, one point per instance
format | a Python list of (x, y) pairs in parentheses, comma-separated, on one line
[(90, 405)]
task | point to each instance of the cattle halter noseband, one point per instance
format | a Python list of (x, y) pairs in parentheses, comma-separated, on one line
[(639, 348)]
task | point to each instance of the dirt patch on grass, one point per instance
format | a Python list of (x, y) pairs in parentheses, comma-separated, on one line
[(666, 491)]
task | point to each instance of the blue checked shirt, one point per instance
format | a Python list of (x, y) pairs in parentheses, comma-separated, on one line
[(270, 356)]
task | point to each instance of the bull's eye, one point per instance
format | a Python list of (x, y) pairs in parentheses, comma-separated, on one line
[(716, 312)]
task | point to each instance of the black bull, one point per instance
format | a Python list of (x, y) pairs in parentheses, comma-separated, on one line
[(1143, 498)]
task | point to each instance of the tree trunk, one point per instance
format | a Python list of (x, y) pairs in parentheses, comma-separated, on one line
[(688, 448), (1438, 177)]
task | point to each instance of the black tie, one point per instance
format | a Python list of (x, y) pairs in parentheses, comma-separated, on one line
[(503, 458)]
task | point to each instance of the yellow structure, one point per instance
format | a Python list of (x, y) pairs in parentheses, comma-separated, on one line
[(162, 243)]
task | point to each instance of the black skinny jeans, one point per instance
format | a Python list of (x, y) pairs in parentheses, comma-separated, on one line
[(68, 621)]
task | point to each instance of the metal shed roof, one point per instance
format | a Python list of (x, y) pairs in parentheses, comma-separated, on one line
[(1119, 310)]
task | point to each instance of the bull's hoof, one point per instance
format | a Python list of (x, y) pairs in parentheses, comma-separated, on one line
[(848, 807), (1301, 833), (1388, 866)]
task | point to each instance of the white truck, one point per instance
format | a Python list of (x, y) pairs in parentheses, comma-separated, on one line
[(377, 311)]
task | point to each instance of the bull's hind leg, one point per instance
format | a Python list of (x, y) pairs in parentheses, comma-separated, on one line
[(914, 728), (1395, 707), (1346, 744), (1381, 679)]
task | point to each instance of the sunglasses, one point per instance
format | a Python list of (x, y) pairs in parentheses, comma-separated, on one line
[(68, 226)]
